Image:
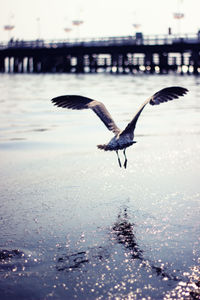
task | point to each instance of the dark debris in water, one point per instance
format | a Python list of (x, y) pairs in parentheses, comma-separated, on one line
[(73, 261), (11, 260), (9, 254), (16, 260)]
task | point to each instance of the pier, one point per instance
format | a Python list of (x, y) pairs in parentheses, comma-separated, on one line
[(121, 55)]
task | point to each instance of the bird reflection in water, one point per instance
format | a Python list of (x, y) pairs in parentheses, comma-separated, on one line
[(123, 232)]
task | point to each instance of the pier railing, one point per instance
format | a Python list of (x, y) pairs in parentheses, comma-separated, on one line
[(104, 41)]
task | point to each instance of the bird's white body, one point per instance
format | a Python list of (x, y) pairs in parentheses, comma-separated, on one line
[(118, 142)]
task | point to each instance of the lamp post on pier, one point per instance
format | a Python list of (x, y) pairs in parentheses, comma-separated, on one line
[(77, 24), (38, 29), (68, 30), (178, 16), (9, 28)]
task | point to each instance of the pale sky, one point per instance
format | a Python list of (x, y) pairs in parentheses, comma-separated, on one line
[(48, 18)]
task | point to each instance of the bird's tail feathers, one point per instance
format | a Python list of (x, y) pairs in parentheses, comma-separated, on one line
[(103, 147)]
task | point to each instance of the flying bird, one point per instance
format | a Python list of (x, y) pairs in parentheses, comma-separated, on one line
[(122, 138)]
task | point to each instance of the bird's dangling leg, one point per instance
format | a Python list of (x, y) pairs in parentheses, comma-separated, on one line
[(118, 159), (125, 162)]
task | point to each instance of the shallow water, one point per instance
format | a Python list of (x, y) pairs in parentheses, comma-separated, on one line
[(73, 224)]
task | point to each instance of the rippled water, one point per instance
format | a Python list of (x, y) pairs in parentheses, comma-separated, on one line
[(76, 226)]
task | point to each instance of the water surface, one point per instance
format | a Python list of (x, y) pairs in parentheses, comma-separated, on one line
[(73, 224)]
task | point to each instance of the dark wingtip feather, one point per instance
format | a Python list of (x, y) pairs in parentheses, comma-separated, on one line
[(174, 90), (71, 101), (168, 94), (57, 100), (54, 100)]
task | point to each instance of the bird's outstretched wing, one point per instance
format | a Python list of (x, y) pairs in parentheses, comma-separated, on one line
[(163, 95), (79, 102)]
